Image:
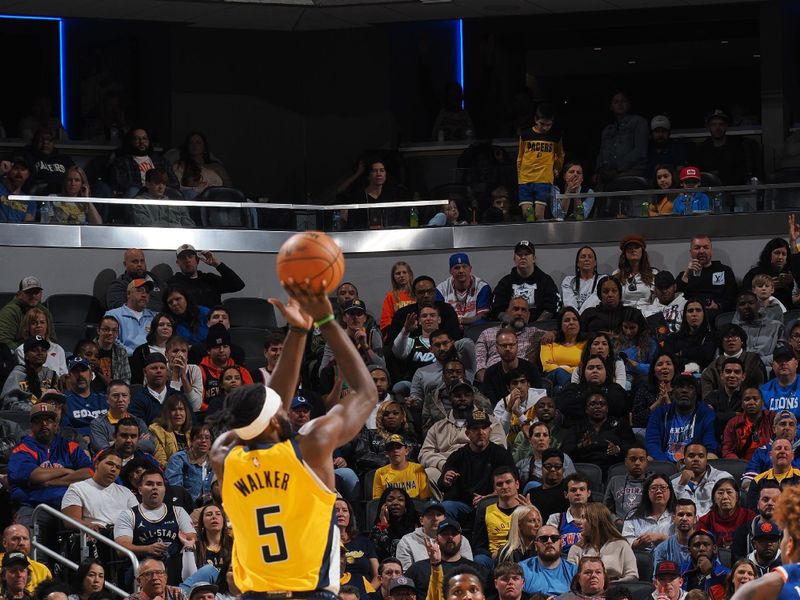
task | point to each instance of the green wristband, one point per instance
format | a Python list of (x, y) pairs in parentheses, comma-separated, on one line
[(324, 321)]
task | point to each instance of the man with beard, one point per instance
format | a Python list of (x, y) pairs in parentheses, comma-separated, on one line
[(126, 442), (98, 502), (102, 428), (703, 571), (16, 211), (672, 426), (427, 378), (763, 333), (137, 158), (743, 537), (450, 434), (83, 405), (44, 464), (782, 471), (707, 280), (527, 281), (697, 478), (152, 529), (282, 484), (448, 538), (135, 268), (467, 473), (205, 288), (412, 549), (516, 319), (28, 296), (146, 404), (470, 296), (494, 385), (766, 554), (424, 290), (547, 572), (436, 405), (676, 547)]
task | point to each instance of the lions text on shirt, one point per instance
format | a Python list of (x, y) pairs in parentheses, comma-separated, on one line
[(782, 398)]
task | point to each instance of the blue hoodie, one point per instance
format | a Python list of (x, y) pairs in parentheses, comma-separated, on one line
[(698, 427)]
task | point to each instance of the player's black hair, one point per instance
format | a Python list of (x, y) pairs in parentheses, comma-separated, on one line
[(241, 408)]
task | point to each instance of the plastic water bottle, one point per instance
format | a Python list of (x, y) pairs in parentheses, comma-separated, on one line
[(337, 220), (530, 214), (44, 212), (717, 204), (555, 204), (579, 214), (645, 208), (414, 222)]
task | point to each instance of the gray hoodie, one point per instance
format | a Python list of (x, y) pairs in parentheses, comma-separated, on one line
[(763, 334), (411, 548)]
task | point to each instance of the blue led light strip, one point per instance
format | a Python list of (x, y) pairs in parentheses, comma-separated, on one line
[(61, 60), (460, 52)]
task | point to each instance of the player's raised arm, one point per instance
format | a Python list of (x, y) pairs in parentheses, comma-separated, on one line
[(287, 371), (348, 415)]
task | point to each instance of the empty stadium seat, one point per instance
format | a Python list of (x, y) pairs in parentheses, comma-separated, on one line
[(6, 297), (594, 473), (251, 339), (734, 466), (68, 335), (163, 271), (74, 308), (473, 332), (101, 282), (640, 590), (251, 312)]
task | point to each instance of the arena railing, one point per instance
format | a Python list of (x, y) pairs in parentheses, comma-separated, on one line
[(84, 533)]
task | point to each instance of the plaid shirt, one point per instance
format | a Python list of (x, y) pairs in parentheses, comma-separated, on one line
[(528, 340), (120, 367)]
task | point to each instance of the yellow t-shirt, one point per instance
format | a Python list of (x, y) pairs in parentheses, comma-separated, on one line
[(498, 525), (412, 479), (558, 355)]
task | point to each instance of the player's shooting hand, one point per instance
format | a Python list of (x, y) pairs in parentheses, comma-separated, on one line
[(293, 313), (311, 301)]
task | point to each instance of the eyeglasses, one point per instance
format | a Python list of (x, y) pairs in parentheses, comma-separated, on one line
[(658, 488), (151, 574), (548, 538), (552, 467)]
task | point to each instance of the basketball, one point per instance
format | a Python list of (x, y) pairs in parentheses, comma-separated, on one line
[(311, 255)]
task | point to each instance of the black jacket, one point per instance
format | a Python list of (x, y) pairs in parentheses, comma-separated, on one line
[(716, 282), (207, 288), (539, 289)]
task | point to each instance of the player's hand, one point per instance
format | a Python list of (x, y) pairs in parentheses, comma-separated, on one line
[(311, 301), (293, 313)]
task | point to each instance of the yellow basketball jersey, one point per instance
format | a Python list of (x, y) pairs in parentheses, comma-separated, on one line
[(285, 536)]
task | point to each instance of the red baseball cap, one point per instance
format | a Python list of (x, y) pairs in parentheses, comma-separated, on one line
[(690, 173)]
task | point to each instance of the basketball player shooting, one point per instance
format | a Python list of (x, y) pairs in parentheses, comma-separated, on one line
[(278, 490)]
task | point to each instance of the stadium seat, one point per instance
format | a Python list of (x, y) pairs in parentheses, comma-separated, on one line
[(644, 565), (547, 325), (709, 179), (473, 332), (225, 217), (251, 312), (366, 484), (595, 475), (789, 317), (725, 556), (6, 297), (662, 467), (251, 339), (640, 590), (786, 198), (20, 417), (734, 466), (723, 319), (68, 335), (73, 309), (163, 271), (101, 282), (627, 205)]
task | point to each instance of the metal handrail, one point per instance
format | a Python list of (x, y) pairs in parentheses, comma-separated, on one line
[(85, 531), (209, 204)]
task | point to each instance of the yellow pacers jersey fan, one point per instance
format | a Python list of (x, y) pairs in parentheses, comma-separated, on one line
[(284, 530)]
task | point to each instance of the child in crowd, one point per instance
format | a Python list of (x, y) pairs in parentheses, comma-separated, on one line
[(690, 202), (539, 160), (764, 288), (665, 180), (400, 472)]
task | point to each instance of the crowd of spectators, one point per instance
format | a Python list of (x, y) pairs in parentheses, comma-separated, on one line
[(497, 187), (549, 436)]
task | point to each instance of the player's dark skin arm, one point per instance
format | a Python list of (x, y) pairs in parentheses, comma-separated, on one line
[(287, 371), (766, 587)]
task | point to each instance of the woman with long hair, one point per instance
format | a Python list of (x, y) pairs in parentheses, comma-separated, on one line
[(89, 579), (396, 517), (695, 341), (596, 376), (742, 571), (650, 523), (76, 185), (230, 378), (525, 522), (214, 542), (172, 428), (370, 445), (634, 272), (190, 319), (27, 381), (634, 345), (665, 179), (560, 358), (37, 322), (196, 168), (161, 329), (727, 513), (601, 538), (602, 344), (400, 277), (191, 468), (530, 468), (606, 314), (658, 389), (360, 555), (774, 261), (580, 290)]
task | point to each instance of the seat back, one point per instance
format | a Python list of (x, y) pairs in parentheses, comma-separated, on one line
[(709, 179), (595, 475), (723, 319), (6, 297), (473, 332), (251, 312), (644, 565), (20, 417), (70, 334), (662, 467), (640, 590), (614, 470), (101, 282), (251, 340), (789, 317), (734, 466), (366, 484), (74, 308), (163, 271), (627, 205)]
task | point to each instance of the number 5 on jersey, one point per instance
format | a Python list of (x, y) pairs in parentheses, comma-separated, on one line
[(272, 530)]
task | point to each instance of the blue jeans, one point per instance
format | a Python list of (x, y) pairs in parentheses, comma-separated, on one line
[(347, 483), (484, 560), (560, 379), (457, 510), (205, 574)]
